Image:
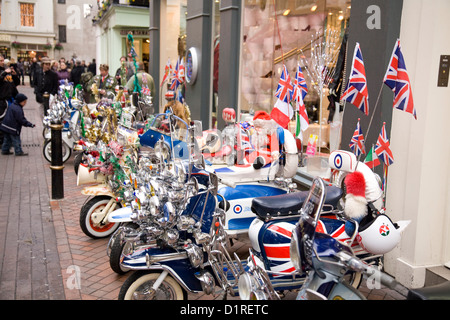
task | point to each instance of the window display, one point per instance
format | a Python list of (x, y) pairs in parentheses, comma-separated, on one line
[(286, 33)]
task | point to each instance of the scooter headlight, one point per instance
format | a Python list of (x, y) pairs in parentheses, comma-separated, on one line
[(294, 252), (246, 286)]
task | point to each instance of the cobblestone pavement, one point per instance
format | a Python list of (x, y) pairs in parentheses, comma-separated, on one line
[(41, 243)]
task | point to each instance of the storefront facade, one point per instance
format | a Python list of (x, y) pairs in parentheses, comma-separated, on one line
[(112, 26), (252, 53)]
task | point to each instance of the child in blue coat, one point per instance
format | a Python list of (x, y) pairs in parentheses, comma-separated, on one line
[(12, 125)]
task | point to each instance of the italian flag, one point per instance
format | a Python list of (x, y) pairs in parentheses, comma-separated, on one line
[(372, 159)]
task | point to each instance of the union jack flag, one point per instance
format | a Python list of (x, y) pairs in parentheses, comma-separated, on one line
[(243, 142), (382, 148), (356, 92), (178, 75), (285, 88), (397, 80), (357, 141), (300, 88), (278, 252)]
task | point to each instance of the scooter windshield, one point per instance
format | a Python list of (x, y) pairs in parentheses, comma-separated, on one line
[(174, 133), (306, 226)]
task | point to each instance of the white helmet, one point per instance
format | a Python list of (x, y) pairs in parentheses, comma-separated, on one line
[(379, 236)]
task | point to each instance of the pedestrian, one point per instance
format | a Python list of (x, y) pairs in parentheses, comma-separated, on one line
[(93, 67), (63, 73), (124, 72), (75, 74), (12, 126), (9, 81), (46, 84), (104, 83), (34, 67), (21, 70)]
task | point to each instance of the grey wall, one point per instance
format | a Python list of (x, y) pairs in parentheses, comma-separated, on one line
[(199, 35), (229, 57)]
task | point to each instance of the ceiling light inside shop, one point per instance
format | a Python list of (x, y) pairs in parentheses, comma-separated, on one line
[(286, 12), (314, 8)]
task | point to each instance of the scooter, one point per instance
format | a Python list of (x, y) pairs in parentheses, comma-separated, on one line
[(69, 134), (243, 183), (320, 257)]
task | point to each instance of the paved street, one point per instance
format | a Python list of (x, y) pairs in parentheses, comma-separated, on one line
[(42, 247)]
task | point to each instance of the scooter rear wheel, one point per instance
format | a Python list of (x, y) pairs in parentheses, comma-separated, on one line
[(139, 284), (96, 204)]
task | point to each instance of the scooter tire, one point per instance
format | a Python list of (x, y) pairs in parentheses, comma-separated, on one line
[(78, 159), (86, 224), (145, 279), (116, 252), (47, 151)]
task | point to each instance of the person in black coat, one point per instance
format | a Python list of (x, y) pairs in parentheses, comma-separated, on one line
[(46, 83), (75, 74), (12, 126)]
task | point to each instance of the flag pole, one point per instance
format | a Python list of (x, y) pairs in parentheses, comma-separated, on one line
[(373, 113)]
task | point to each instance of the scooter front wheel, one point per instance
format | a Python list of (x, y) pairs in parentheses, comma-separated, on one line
[(138, 286), (92, 207), (47, 151)]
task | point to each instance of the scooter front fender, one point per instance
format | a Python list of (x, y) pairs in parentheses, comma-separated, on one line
[(176, 263), (120, 215)]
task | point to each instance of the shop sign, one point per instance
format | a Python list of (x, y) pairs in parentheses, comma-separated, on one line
[(135, 32), (5, 37)]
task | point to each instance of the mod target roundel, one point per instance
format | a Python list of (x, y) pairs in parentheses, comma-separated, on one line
[(237, 208), (338, 161)]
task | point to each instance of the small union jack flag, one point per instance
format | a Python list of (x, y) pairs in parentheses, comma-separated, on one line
[(285, 88), (357, 142), (356, 92), (300, 88), (382, 148), (397, 80), (178, 76), (146, 91)]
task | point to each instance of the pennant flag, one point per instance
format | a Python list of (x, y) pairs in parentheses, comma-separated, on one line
[(397, 80), (382, 148), (372, 160), (356, 92), (285, 88), (282, 112), (167, 71), (357, 141)]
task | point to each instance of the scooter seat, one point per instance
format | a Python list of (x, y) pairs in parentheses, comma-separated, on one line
[(290, 203), (437, 292)]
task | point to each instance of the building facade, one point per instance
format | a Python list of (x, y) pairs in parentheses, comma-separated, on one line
[(24, 28), (53, 28)]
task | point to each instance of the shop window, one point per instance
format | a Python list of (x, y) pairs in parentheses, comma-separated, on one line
[(27, 14), (268, 43)]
